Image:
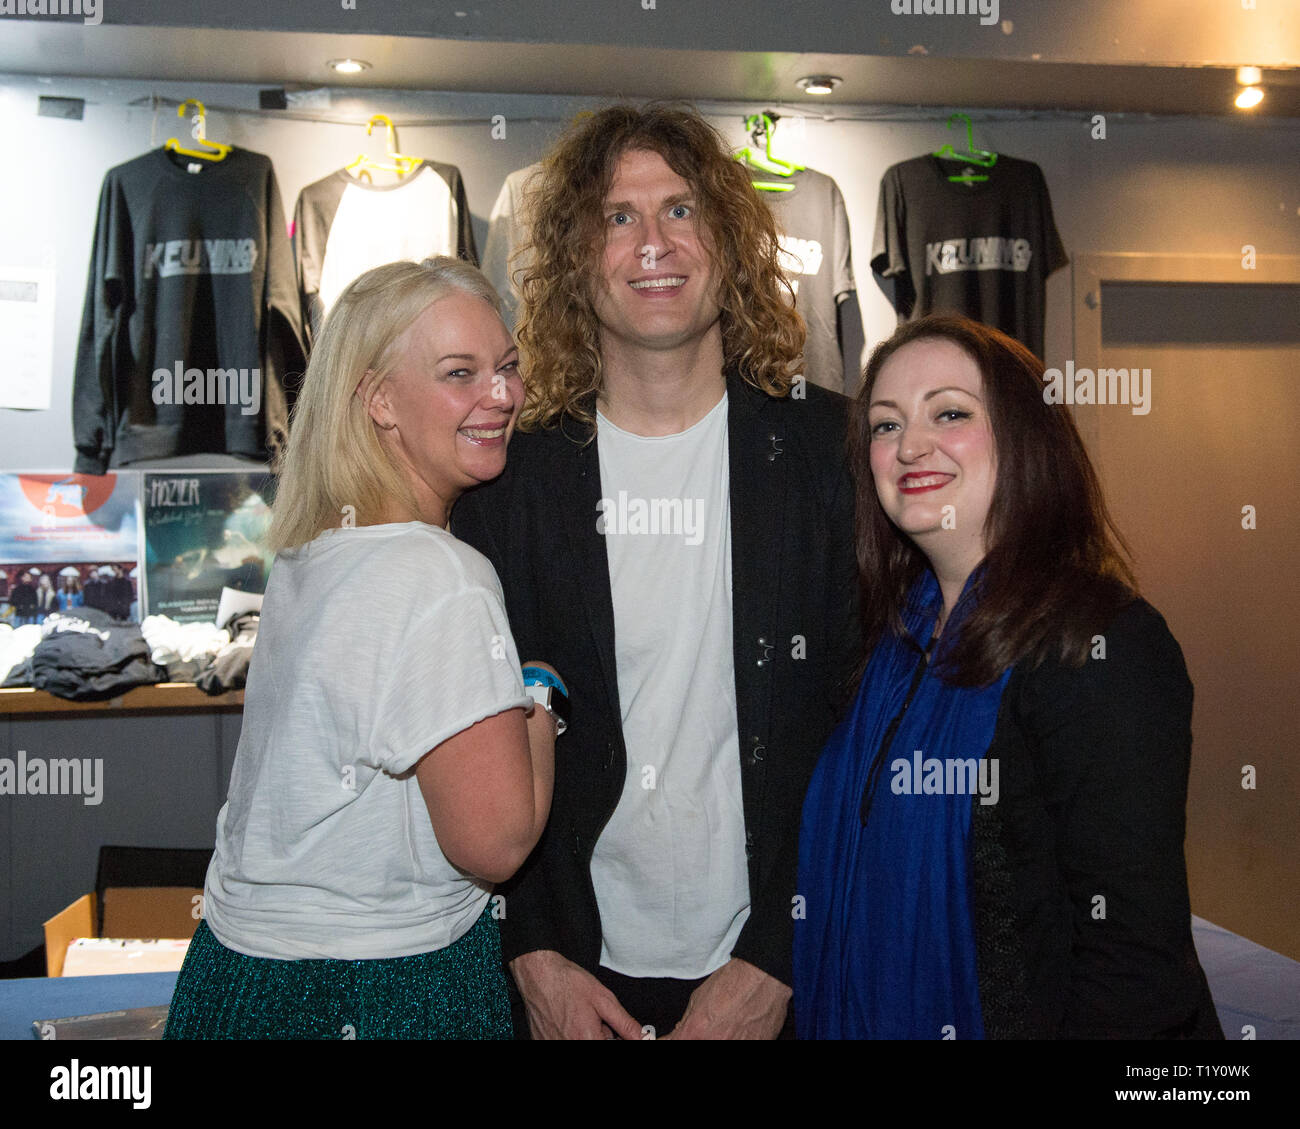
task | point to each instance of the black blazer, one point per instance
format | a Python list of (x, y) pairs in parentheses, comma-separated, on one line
[(797, 635), (1083, 921)]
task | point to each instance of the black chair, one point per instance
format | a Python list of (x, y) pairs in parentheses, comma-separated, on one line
[(148, 866)]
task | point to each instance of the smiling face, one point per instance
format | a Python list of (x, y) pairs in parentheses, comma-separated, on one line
[(657, 287), (447, 410), (932, 448)]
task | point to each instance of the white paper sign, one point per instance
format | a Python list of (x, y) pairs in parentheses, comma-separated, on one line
[(234, 602), (26, 337)]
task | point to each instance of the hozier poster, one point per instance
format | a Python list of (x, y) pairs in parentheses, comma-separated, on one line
[(204, 531)]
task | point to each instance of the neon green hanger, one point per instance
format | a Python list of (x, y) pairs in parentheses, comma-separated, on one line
[(985, 158), (765, 123)]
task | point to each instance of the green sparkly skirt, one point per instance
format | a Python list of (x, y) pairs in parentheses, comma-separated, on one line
[(454, 993)]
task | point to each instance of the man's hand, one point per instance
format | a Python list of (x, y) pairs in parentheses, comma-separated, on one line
[(565, 1001), (738, 1001)]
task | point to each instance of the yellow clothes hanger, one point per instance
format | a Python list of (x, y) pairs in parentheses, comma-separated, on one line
[(215, 151), (401, 165)]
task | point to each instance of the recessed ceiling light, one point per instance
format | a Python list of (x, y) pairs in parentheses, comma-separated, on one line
[(348, 66), (818, 83)]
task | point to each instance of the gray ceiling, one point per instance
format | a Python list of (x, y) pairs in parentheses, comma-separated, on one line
[(278, 58)]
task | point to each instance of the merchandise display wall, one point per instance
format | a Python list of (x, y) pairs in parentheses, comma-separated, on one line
[(1153, 186), (1162, 186)]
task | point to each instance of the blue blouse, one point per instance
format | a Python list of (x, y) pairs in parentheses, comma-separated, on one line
[(886, 946)]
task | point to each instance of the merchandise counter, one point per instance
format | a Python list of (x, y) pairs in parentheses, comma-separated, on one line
[(163, 696)]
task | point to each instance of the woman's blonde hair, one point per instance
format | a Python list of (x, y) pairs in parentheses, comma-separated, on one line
[(334, 469)]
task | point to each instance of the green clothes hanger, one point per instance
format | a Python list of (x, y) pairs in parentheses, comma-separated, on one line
[(983, 157), (764, 124)]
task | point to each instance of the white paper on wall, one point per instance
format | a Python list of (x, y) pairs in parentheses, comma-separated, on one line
[(26, 337)]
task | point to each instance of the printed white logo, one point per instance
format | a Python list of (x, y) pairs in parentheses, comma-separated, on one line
[(949, 256)]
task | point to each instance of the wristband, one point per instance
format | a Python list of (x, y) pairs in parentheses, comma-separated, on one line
[(549, 692), (536, 675)]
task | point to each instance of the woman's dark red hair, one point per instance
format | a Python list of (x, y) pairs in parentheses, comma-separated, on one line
[(1056, 568)]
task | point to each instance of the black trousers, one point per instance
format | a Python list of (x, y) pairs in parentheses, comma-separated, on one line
[(653, 1001)]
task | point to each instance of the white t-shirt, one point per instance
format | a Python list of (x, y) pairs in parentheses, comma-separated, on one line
[(375, 645), (669, 867), (403, 222)]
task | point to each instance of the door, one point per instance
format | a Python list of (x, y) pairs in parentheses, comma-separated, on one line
[(1203, 480)]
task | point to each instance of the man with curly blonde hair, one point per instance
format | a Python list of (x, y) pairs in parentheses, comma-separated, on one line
[(674, 529)]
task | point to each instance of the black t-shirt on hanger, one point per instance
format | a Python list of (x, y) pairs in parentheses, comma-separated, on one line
[(983, 249), (191, 270)]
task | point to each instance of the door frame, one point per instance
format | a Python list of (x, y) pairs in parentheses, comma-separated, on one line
[(1090, 271)]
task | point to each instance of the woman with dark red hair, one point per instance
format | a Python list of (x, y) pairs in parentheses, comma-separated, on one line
[(992, 842)]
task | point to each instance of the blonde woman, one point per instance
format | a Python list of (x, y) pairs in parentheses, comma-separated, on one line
[(391, 767), (47, 600)]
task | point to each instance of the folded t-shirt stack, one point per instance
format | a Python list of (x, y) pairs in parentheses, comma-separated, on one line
[(185, 649), (229, 668), (16, 647), (88, 657)]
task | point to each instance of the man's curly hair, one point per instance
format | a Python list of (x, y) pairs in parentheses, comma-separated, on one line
[(558, 332)]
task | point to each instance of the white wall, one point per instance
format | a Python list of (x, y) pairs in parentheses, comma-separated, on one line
[(1154, 185)]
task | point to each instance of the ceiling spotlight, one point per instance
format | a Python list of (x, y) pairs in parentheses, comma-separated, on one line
[(348, 66), (818, 83), (1249, 97)]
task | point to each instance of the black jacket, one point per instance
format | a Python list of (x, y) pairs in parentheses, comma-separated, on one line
[(794, 576), (22, 598), (1083, 922)]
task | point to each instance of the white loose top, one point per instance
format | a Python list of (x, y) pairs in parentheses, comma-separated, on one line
[(375, 645)]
